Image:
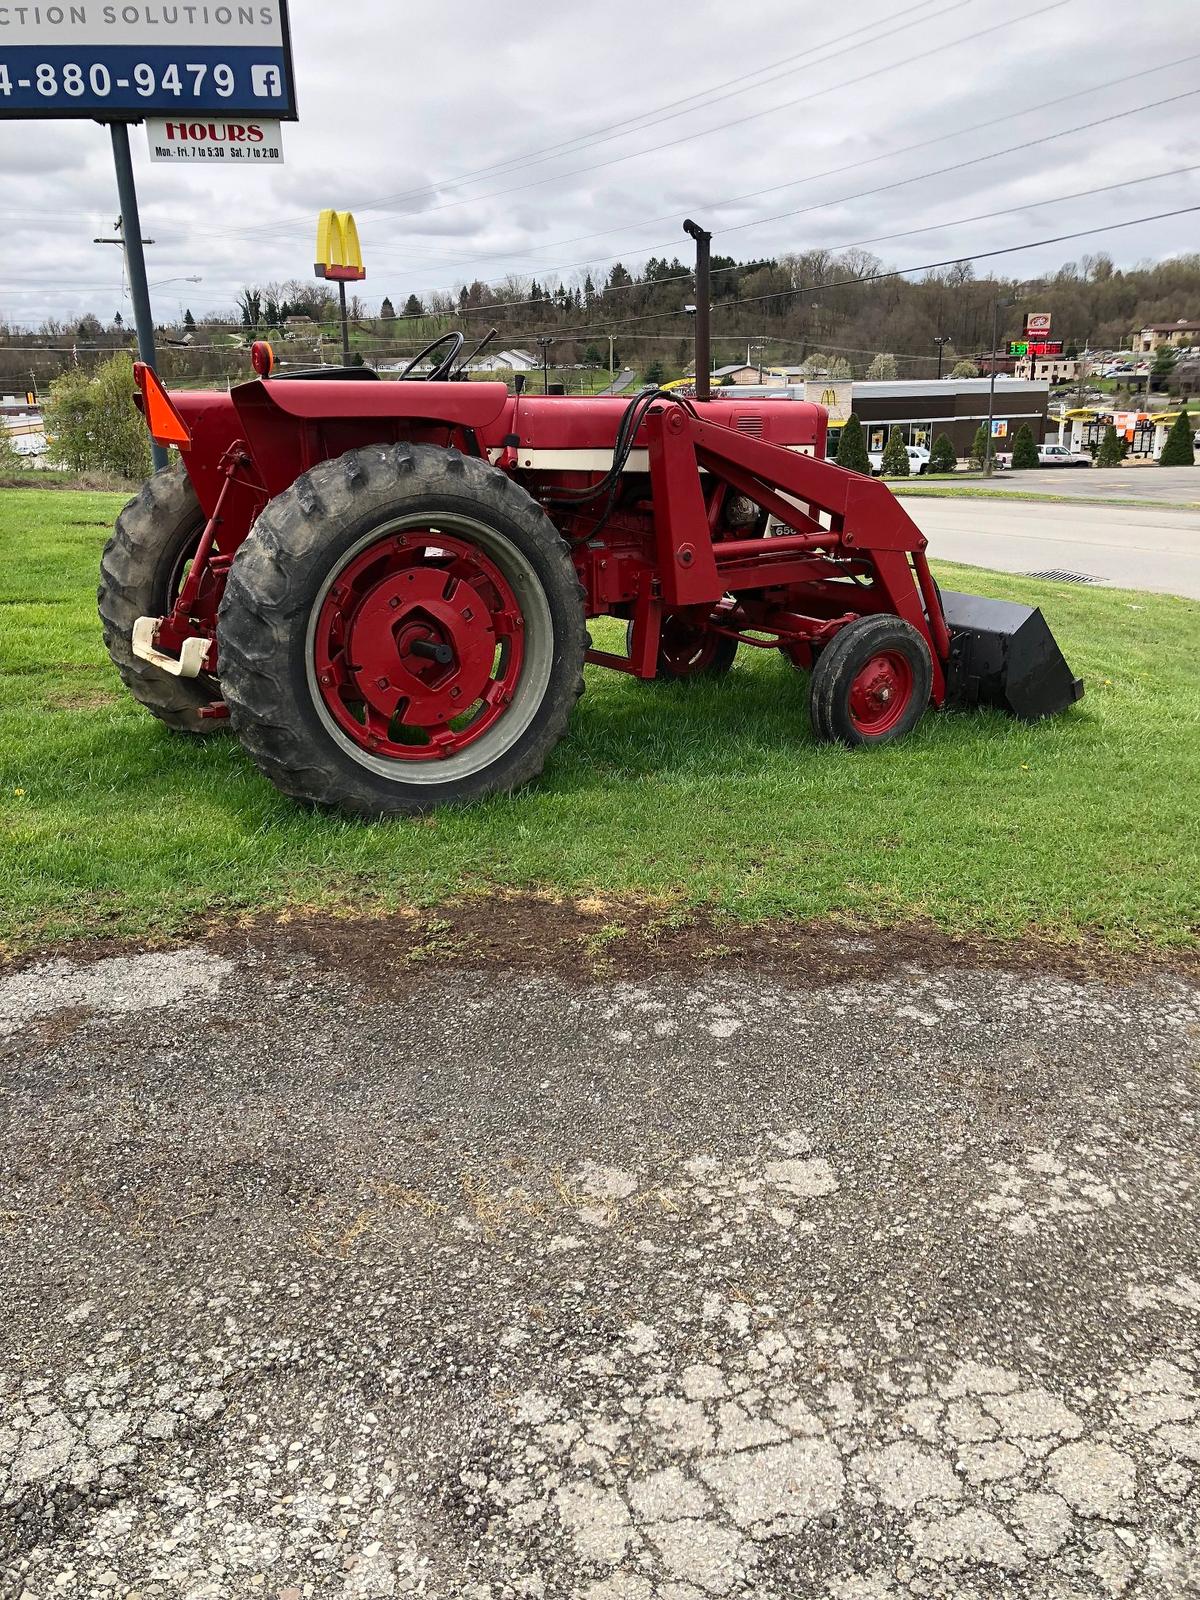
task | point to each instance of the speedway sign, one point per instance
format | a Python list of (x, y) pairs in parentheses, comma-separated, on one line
[(125, 62)]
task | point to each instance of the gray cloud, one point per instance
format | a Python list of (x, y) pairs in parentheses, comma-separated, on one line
[(402, 106)]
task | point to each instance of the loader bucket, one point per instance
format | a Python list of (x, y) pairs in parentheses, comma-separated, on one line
[(1002, 654)]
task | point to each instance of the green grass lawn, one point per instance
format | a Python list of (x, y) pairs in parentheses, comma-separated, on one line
[(711, 794)]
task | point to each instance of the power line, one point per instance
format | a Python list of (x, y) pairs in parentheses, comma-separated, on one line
[(700, 133)]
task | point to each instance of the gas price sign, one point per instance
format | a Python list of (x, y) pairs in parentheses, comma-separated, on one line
[(154, 58)]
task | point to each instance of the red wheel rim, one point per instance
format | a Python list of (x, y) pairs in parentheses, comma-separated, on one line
[(881, 692), (686, 647), (418, 646)]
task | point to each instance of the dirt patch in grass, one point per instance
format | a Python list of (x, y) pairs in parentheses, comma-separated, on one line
[(595, 938)]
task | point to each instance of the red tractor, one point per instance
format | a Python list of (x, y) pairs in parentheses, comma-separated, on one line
[(385, 587)]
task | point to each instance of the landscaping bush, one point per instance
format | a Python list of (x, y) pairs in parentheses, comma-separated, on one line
[(92, 424), (1112, 449), (942, 457), (1025, 453), (979, 446), (895, 456), (1179, 450), (852, 448)]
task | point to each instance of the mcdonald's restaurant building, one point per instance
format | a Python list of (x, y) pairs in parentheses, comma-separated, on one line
[(922, 408)]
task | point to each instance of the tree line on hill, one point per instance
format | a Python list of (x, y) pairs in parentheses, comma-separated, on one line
[(838, 312)]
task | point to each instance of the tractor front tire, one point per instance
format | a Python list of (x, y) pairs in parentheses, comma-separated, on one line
[(871, 684), (141, 571), (402, 629)]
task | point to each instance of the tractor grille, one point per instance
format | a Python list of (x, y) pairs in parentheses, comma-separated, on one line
[(1060, 575)]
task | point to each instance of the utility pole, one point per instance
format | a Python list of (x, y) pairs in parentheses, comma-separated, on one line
[(703, 309), (611, 368), (941, 340), (544, 343)]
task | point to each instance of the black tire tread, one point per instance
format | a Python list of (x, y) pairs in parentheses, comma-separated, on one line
[(830, 670), (144, 540), (263, 602)]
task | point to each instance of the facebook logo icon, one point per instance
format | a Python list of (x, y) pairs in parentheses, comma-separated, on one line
[(266, 82)]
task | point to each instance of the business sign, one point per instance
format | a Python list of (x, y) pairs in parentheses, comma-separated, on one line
[(999, 429), (220, 143), (339, 254), (1037, 324), (835, 396), (1040, 347), (127, 62)]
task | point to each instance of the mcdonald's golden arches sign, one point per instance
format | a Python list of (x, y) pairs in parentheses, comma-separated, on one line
[(339, 254)]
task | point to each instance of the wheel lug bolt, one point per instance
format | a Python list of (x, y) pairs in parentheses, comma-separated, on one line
[(381, 683)]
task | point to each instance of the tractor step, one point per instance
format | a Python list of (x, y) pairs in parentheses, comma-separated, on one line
[(1003, 654), (189, 663)]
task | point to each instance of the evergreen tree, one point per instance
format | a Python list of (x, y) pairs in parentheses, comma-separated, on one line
[(119, 321), (1025, 452), (979, 446), (942, 457), (413, 307), (189, 320), (1112, 450), (387, 311), (655, 373), (895, 457), (1162, 368), (1179, 450), (852, 448)]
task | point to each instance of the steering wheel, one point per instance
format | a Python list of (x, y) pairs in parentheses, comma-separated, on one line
[(456, 340)]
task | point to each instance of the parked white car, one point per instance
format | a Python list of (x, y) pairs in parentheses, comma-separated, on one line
[(1061, 455), (918, 460)]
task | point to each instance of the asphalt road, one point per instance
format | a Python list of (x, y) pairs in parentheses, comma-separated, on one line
[(866, 1281), (1161, 485), (1132, 547)]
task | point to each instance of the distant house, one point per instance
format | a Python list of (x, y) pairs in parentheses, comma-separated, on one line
[(1175, 334), (508, 360), (736, 373)]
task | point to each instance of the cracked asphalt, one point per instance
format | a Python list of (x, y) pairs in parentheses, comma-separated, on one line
[(495, 1281)]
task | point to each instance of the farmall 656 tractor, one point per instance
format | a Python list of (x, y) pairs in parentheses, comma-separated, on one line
[(385, 586)]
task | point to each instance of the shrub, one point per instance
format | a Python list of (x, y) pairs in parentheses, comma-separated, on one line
[(852, 448), (942, 457), (1112, 449), (1025, 452), (92, 424), (964, 369), (10, 457), (979, 446), (883, 368), (1179, 450), (895, 456)]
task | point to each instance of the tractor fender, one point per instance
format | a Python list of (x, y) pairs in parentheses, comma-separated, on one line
[(464, 405)]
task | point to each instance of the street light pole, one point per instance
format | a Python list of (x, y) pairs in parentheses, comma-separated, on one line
[(941, 340), (703, 309), (987, 455), (544, 344)]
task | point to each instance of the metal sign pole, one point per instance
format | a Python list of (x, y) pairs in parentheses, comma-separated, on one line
[(135, 259), (345, 324)]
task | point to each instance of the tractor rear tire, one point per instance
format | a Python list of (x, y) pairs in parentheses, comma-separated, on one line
[(141, 571), (871, 684), (374, 598)]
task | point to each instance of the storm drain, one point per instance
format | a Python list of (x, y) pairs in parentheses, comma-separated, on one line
[(1060, 575)]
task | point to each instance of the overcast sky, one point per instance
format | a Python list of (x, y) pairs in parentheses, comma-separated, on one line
[(603, 126)]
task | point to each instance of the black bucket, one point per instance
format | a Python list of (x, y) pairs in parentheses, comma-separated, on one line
[(1003, 654)]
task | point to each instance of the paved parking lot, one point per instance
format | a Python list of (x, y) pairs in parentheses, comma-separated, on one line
[(370, 1265)]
